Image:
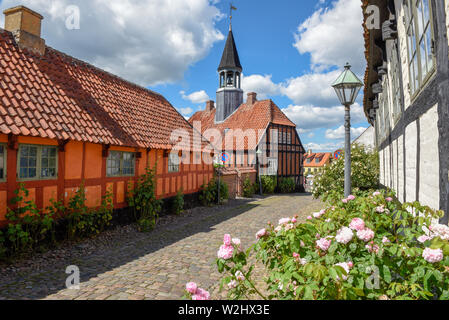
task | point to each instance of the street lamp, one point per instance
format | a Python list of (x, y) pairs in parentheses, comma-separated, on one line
[(258, 155), (347, 87)]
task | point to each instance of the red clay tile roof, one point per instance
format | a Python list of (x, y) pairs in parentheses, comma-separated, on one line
[(59, 97), (324, 158), (257, 117)]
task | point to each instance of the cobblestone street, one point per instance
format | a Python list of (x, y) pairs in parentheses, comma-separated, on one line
[(154, 265)]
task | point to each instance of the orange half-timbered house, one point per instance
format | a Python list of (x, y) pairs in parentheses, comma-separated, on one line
[(64, 122)]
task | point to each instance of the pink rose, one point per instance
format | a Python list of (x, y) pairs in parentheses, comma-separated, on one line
[(365, 235), (191, 287), (344, 235), (345, 200), (385, 240), (432, 255), (380, 209), (323, 244), (227, 240), (424, 238), (239, 276), (350, 264), (236, 241), (284, 221), (261, 233), (225, 252), (377, 193), (201, 294), (294, 220), (389, 199), (347, 267), (357, 224), (296, 255), (309, 218), (351, 197)]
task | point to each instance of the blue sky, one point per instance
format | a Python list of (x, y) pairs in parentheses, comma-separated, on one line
[(290, 50)]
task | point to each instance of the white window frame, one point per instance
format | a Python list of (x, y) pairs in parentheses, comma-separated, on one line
[(121, 164), (419, 44), (38, 162), (5, 161), (174, 162)]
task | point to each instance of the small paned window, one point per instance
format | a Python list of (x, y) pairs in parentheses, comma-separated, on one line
[(120, 164), (2, 162), (37, 162), (173, 163)]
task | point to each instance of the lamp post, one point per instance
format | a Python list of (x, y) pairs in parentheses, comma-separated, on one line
[(258, 154), (347, 87)]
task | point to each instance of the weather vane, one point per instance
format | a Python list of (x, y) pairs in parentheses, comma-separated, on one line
[(230, 16)]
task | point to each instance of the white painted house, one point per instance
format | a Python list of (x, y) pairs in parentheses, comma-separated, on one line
[(407, 97)]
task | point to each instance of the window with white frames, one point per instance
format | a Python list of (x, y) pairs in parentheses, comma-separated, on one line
[(396, 84), (2, 162), (120, 164), (173, 162), (419, 42), (37, 162)]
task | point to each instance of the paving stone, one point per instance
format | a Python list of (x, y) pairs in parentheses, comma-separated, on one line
[(127, 265)]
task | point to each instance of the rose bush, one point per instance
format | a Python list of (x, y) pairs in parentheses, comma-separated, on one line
[(350, 250)]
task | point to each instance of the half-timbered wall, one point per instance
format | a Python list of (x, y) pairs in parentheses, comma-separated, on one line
[(82, 162)]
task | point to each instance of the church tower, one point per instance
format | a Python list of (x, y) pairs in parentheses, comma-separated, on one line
[(230, 94)]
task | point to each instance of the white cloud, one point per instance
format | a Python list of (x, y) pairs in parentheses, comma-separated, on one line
[(311, 117), (146, 41), (186, 111), (196, 97), (324, 147), (333, 36), (339, 133), (313, 89), (262, 85)]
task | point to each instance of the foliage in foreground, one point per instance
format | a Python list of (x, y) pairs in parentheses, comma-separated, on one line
[(30, 228), (329, 183), (360, 248)]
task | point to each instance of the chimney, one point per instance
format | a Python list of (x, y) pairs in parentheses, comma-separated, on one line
[(252, 98), (25, 25), (210, 105)]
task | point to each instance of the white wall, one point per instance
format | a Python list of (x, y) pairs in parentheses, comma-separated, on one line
[(367, 138), (410, 168), (429, 186), (400, 189)]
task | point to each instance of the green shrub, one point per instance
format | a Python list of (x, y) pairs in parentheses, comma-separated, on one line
[(28, 226), (178, 203), (209, 193), (248, 188), (268, 184), (84, 221), (329, 183), (287, 185), (365, 248), (144, 202)]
